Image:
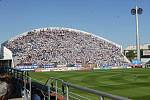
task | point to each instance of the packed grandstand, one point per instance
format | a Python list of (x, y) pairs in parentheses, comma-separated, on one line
[(64, 46)]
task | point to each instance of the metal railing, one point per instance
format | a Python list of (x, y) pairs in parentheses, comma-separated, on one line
[(58, 87), (65, 87), (14, 72), (22, 77), (101, 94)]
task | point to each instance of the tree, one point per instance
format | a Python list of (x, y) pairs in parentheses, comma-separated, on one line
[(149, 47), (131, 55), (141, 52)]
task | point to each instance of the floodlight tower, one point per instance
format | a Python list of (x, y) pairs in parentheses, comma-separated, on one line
[(137, 11)]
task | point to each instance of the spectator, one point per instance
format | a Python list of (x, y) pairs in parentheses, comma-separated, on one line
[(64, 46)]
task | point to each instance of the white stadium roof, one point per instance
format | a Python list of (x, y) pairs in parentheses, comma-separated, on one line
[(69, 29)]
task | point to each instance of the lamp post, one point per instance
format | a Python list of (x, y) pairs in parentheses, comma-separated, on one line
[(137, 11)]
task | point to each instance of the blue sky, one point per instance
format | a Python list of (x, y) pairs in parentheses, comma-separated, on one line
[(110, 19)]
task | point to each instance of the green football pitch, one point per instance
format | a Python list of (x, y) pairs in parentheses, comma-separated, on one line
[(131, 83)]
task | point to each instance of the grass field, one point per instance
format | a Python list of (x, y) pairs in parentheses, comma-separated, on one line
[(131, 83)]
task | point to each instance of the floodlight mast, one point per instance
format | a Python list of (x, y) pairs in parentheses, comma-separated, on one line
[(137, 35), (136, 12)]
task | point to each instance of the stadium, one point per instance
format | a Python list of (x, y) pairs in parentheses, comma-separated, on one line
[(67, 50), (59, 47)]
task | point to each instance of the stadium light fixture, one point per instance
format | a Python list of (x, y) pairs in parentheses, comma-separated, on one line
[(137, 11)]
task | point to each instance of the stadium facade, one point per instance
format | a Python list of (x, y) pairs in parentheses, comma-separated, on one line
[(144, 53), (45, 46)]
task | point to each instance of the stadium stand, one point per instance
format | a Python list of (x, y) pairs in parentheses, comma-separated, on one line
[(64, 46)]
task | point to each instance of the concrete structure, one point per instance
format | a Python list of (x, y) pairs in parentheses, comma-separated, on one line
[(145, 52), (6, 58), (144, 46)]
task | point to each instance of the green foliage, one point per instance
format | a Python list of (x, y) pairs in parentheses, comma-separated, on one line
[(141, 52), (131, 55), (149, 47)]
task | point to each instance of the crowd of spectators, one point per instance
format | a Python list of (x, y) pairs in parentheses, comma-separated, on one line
[(64, 46)]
